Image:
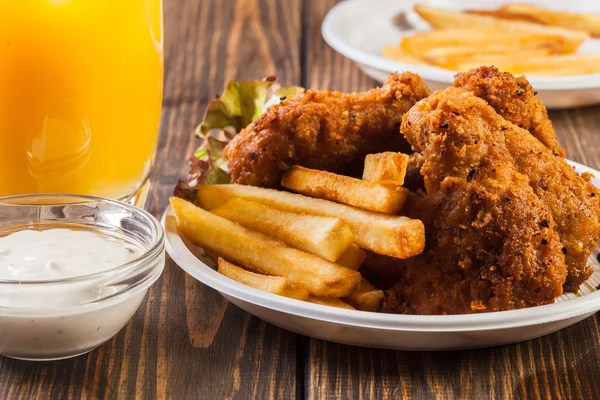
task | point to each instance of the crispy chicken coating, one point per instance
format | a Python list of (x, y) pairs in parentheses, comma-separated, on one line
[(572, 200), (325, 130), (514, 99), (492, 243)]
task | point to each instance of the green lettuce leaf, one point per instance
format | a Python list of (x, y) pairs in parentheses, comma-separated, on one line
[(240, 104)]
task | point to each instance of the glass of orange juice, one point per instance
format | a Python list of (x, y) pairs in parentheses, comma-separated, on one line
[(80, 95)]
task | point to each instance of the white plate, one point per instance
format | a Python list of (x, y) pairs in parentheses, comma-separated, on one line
[(407, 332), (358, 29)]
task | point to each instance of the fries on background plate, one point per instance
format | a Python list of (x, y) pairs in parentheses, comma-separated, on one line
[(566, 39), (577, 21), (518, 38)]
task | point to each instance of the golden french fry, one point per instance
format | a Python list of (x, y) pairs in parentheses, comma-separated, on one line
[(352, 258), (330, 302), (589, 23), (387, 199), (567, 71), (324, 236), (396, 53), (272, 284), (502, 15), (261, 253), (395, 236), (422, 43), (451, 57), (568, 40), (366, 297), (386, 168), (555, 65)]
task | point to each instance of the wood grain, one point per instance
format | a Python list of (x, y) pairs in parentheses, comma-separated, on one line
[(563, 365), (187, 342)]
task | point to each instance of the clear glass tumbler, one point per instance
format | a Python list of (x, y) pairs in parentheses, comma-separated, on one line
[(80, 95)]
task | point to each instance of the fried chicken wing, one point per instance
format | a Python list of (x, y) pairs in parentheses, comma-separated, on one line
[(324, 130), (514, 99), (492, 243), (573, 201)]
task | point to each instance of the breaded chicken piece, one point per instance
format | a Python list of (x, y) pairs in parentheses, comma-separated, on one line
[(325, 130), (492, 243), (514, 99), (572, 200)]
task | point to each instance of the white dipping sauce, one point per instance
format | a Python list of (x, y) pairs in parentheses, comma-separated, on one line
[(59, 254), (60, 320)]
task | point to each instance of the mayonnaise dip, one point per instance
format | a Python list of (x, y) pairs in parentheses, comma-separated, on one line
[(61, 317), (31, 255)]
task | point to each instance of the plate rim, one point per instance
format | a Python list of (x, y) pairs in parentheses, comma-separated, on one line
[(359, 56), (187, 261)]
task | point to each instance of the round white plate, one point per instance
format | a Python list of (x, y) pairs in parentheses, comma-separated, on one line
[(358, 29), (406, 332)]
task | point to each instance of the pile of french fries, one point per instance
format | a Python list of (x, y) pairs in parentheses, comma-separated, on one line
[(307, 245), (516, 38)]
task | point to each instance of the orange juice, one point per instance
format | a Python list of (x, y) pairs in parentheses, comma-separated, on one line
[(80, 95)]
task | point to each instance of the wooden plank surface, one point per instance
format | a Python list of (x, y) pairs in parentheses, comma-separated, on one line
[(186, 342)]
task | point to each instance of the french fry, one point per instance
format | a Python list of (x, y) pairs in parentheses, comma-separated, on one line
[(503, 15), (330, 302), (386, 168), (564, 64), (397, 54), (272, 284), (366, 297), (263, 254), (568, 71), (324, 236), (344, 189), (569, 40), (589, 23), (352, 258), (419, 44), (451, 56), (395, 236)]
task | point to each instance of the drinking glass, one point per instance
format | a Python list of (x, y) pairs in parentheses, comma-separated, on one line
[(80, 95)]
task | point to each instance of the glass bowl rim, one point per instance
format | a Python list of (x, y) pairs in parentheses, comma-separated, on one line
[(152, 252)]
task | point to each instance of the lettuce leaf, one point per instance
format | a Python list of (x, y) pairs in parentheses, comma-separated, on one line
[(240, 104)]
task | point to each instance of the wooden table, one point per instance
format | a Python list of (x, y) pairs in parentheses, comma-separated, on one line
[(186, 342)]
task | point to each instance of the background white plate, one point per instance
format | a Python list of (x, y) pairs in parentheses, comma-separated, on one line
[(358, 29), (409, 332)]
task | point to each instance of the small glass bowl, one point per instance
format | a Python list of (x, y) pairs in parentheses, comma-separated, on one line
[(57, 319)]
